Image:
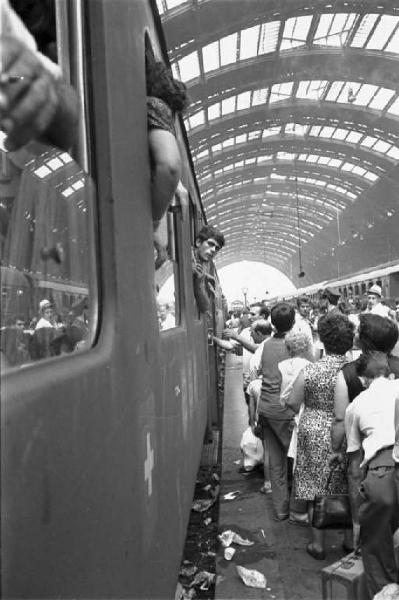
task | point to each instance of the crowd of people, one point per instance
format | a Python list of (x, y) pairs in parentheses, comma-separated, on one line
[(322, 390)]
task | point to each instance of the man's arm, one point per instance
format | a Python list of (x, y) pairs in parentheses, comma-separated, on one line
[(355, 477), (248, 345), (34, 105), (341, 401)]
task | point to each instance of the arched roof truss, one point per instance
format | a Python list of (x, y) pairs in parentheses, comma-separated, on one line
[(294, 114)]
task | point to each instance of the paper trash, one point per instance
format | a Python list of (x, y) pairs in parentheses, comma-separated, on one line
[(231, 495), (229, 537), (202, 505), (229, 553), (204, 579), (251, 578)]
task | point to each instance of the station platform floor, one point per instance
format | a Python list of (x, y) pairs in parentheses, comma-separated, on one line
[(279, 547)]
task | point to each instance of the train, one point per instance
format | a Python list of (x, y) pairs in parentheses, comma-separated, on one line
[(357, 284), (101, 445)]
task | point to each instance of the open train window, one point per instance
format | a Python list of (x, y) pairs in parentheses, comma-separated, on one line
[(167, 276), (48, 294)]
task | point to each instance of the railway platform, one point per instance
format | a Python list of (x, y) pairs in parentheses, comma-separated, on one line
[(278, 551)]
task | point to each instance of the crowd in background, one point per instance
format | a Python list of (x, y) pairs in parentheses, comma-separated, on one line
[(321, 387)]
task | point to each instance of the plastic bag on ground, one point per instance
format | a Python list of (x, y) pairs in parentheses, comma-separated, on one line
[(251, 448), (251, 578), (229, 537), (204, 579), (202, 505)]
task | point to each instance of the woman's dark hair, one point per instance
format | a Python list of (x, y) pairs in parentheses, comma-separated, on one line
[(336, 332), (373, 364), (377, 333), (161, 84), (282, 316), (207, 232)]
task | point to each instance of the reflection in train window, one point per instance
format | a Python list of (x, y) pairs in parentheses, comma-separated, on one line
[(46, 250), (167, 275)]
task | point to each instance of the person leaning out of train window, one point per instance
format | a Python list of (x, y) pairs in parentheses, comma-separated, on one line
[(166, 97), (375, 305), (35, 103), (207, 244)]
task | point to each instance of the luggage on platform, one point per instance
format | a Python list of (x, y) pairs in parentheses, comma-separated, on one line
[(344, 579)]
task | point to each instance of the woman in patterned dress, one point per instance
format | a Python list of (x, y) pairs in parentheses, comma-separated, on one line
[(315, 387)]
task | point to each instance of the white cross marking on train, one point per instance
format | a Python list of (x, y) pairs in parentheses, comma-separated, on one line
[(149, 464)]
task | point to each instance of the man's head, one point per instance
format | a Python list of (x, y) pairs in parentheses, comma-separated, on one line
[(261, 329), (304, 306), (374, 295), (331, 295), (376, 333), (208, 243), (19, 322), (282, 317)]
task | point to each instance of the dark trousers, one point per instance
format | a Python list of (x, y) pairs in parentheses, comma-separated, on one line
[(379, 519), (277, 436)]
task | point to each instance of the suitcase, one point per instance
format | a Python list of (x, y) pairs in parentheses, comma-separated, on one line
[(344, 579)]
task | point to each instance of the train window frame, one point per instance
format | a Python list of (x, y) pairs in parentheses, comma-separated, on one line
[(70, 42)]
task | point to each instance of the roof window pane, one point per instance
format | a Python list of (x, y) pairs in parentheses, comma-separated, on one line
[(214, 111), (353, 137), (295, 32), (271, 131), (393, 45), (280, 91), (228, 49), (382, 32), (364, 94), (334, 91), (243, 100), (312, 158), (268, 37), (334, 162), (371, 176), (333, 30), (327, 132), (210, 56), (259, 96), (253, 135), (381, 146), (197, 119), (241, 138), (382, 97), (249, 42), (323, 160), (311, 90), (364, 29), (394, 108), (347, 167), (315, 130), (294, 129), (340, 134), (393, 153), (189, 67), (228, 143), (368, 141), (359, 171), (228, 105)]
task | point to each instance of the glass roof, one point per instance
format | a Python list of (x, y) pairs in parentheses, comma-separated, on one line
[(266, 132)]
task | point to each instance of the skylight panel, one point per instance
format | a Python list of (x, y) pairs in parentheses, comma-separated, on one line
[(249, 42), (243, 100), (368, 141), (228, 105), (327, 132), (393, 45), (253, 135), (359, 171), (268, 37), (382, 32), (340, 134), (281, 91), (381, 146), (173, 3), (214, 111), (285, 156), (364, 94), (216, 148), (371, 176), (334, 91), (294, 129), (262, 159), (311, 90), (271, 131), (227, 143), (197, 119), (241, 138), (210, 56), (239, 164), (312, 158), (259, 96), (315, 130), (295, 32), (335, 163), (189, 67), (353, 137), (382, 97), (363, 31), (394, 108), (250, 161), (228, 49), (393, 153), (333, 30)]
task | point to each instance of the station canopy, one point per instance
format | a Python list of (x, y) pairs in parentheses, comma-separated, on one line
[(293, 127)]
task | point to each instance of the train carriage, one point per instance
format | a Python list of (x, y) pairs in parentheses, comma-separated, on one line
[(100, 446)]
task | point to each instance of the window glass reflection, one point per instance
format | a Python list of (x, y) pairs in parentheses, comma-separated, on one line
[(46, 251)]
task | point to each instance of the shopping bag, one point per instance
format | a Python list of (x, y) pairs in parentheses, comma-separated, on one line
[(251, 448)]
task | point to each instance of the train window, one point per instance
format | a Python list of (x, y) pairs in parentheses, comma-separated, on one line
[(167, 284), (48, 293)]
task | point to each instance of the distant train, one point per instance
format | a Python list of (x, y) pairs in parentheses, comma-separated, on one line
[(101, 445), (386, 276)]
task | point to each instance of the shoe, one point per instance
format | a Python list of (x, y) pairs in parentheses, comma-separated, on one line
[(298, 519), (266, 488), (280, 517), (316, 554)]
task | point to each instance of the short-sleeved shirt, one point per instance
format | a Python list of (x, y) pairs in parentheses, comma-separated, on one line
[(369, 419), (274, 351), (159, 115), (354, 383)]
